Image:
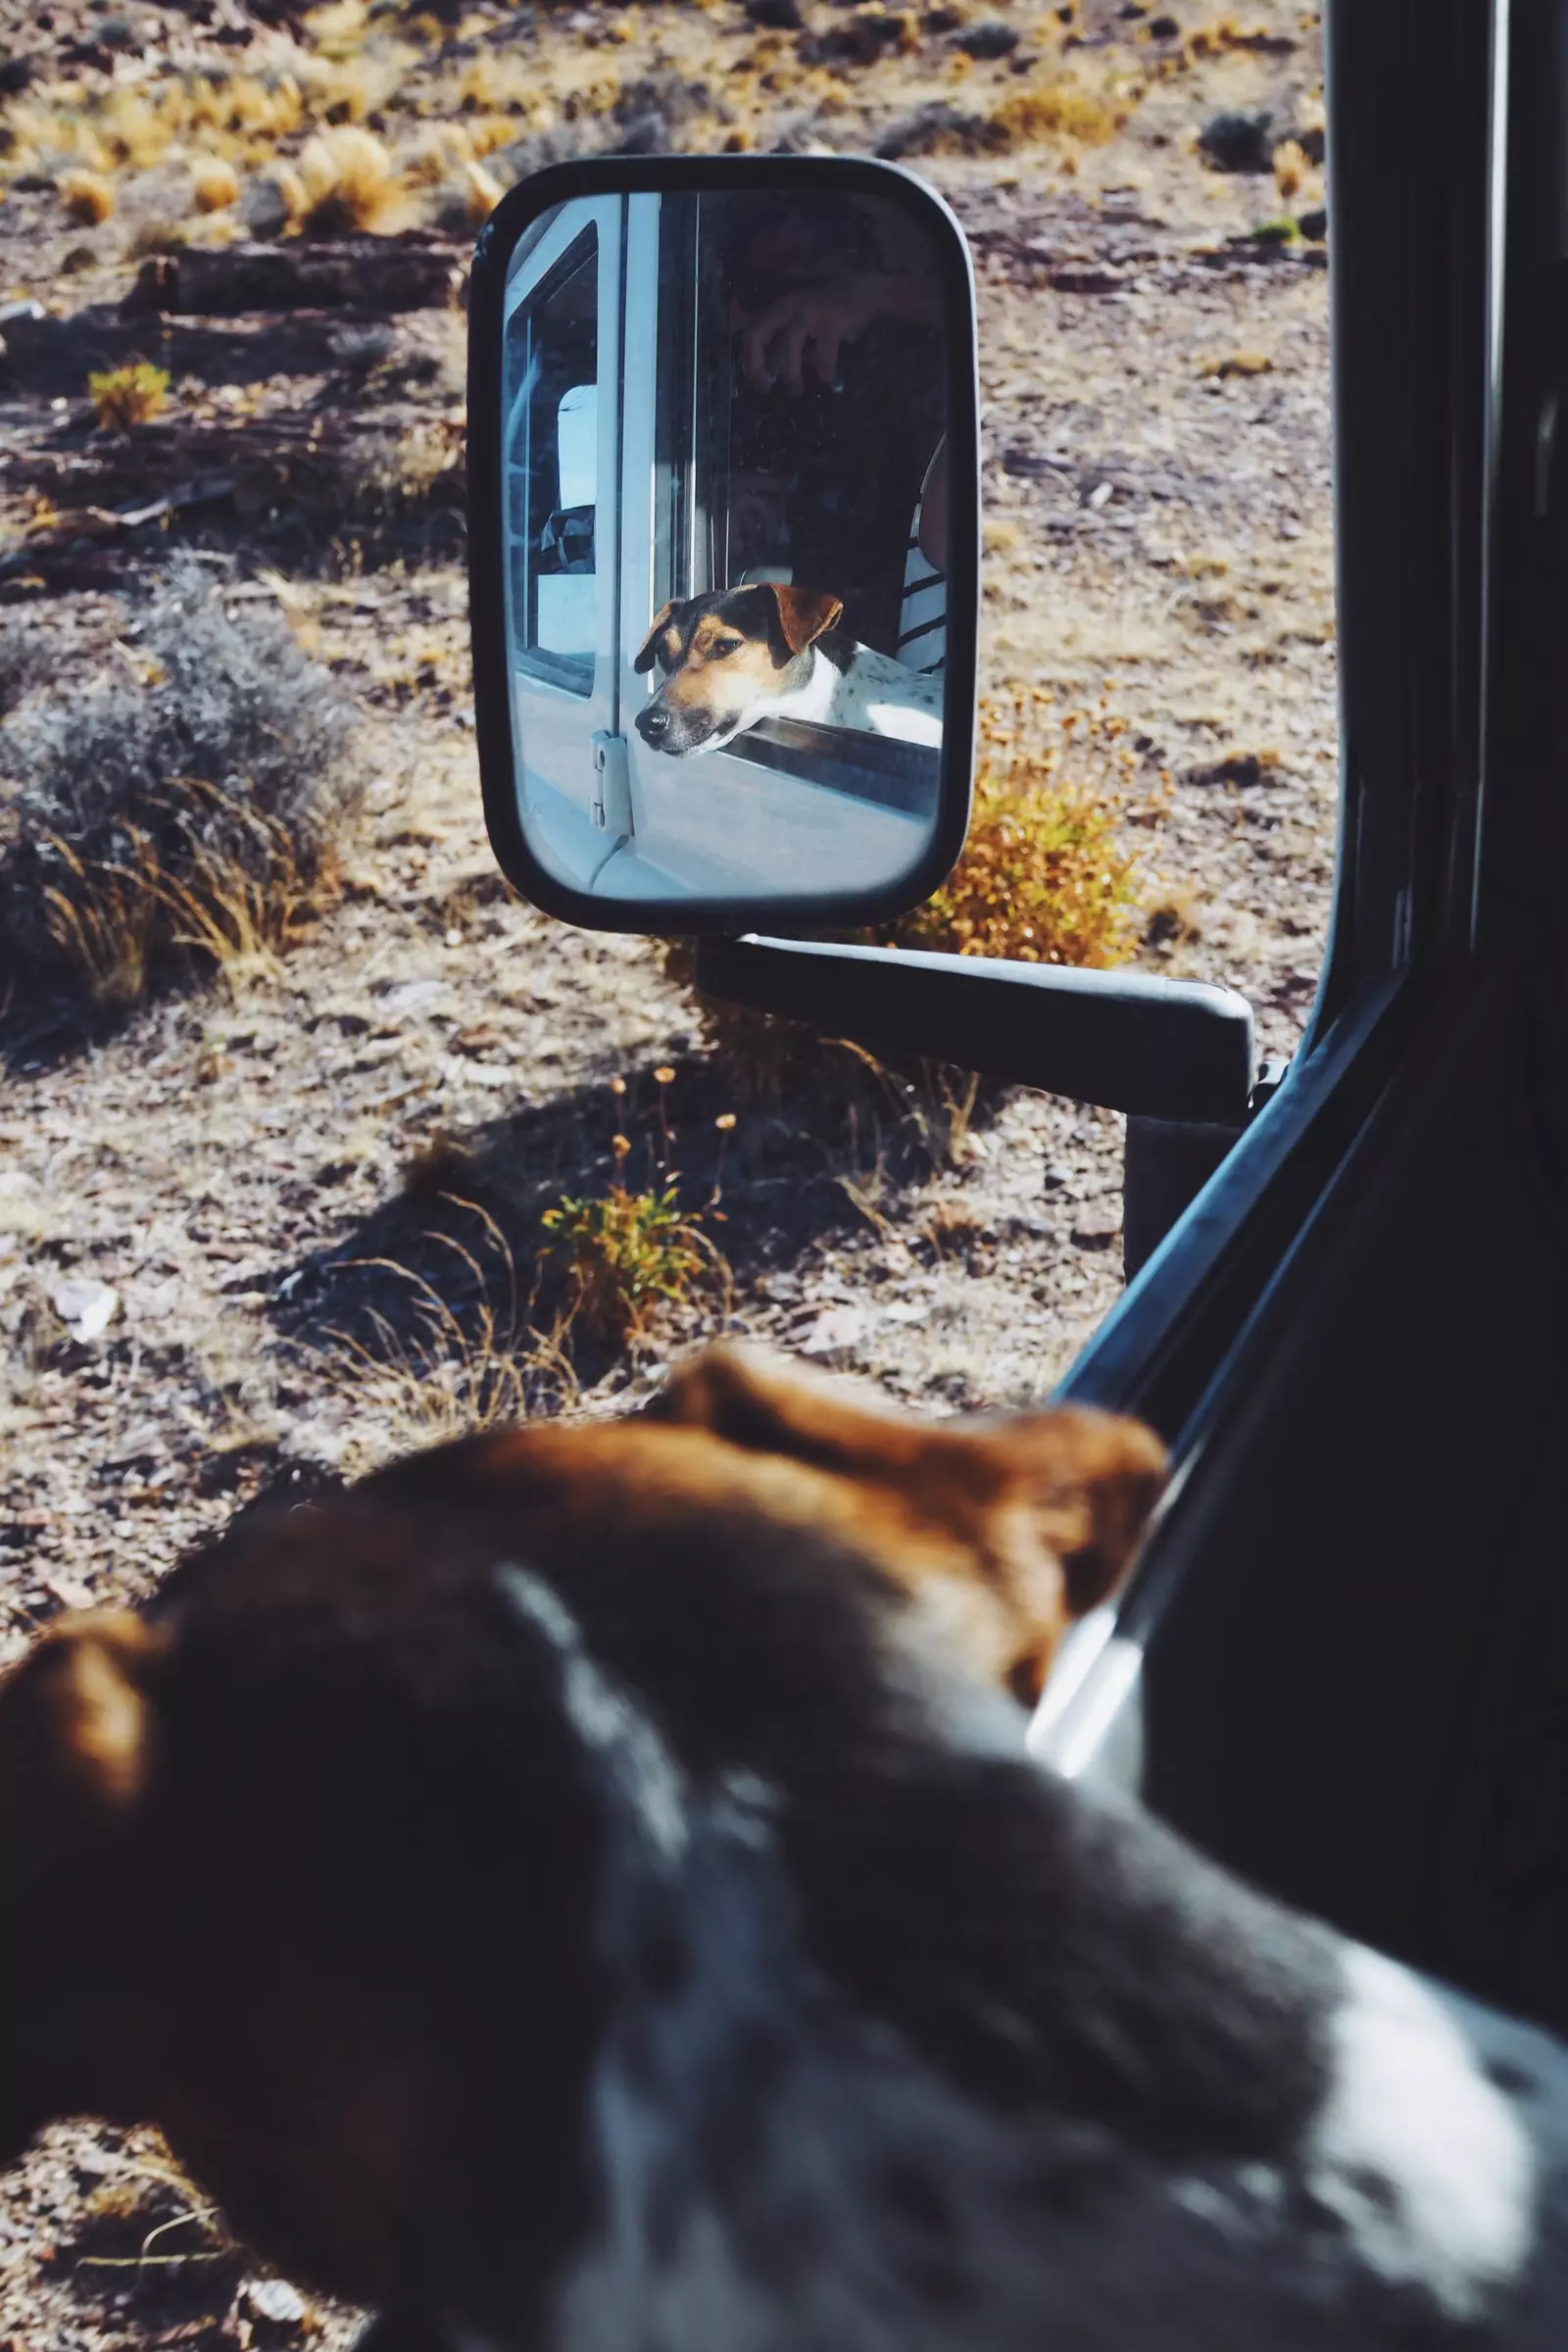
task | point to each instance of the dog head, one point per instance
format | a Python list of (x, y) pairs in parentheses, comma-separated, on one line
[(308, 1864), (1000, 1534), (727, 659)]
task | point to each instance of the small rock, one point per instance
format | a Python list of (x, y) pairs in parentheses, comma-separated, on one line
[(413, 996), (274, 2301), (1239, 142), (1097, 1236), (361, 346), (775, 16), (1163, 28), (264, 210), (988, 40), (85, 1307), (838, 1328), (1238, 768), (1313, 225), (69, 1594), (861, 42)]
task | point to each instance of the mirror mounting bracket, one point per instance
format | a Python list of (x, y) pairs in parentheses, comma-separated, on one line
[(1127, 1040), (1178, 1057)]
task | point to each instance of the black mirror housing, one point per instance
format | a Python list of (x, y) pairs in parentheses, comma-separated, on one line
[(630, 523)]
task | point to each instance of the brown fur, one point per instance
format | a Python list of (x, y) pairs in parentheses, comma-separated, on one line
[(1035, 1520), (301, 1865)]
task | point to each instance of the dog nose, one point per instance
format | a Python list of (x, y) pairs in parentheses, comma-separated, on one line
[(652, 723)]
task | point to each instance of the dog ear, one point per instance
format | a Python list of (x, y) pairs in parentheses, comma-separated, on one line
[(77, 1740), (804, 614), (1047, 1510), (1093, 1481), (656, 629)]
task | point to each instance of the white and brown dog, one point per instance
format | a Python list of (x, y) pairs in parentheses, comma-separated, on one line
[(580, 1891), (740, 655)]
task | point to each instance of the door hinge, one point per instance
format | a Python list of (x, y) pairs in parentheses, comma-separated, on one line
[(611, 802)]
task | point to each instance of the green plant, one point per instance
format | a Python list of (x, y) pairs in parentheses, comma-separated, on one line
[(128, 396), (623, 1256)]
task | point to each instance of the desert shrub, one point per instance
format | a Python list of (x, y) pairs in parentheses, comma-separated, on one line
[(351, 185), (87, 197), (1044, 877), (622, 1257), (127, 396), (1060, 109), (214, 185), (193, 813), (1057, 108)]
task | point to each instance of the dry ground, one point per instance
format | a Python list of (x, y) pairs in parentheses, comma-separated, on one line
[(264, 1168)]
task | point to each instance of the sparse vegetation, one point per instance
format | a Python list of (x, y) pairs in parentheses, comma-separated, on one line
[(128, 396), (214, 185), (623, 1255), (351, 185), (87, 197), (196, 810)]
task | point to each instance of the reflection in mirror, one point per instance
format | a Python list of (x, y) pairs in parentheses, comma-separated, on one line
[(726, 521)]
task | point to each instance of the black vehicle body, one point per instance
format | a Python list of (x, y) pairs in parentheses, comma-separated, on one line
[(1342, 1666)]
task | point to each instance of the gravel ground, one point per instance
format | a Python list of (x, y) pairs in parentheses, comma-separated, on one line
[(1156, 499)]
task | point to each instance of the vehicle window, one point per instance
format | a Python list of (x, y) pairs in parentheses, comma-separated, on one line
[(553, 471), (765, 472)]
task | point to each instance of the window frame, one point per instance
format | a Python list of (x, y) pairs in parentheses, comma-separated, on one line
[(1422, 398)]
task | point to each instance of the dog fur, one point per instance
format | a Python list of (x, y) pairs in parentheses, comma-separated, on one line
[(740, 655), (574, 1893)]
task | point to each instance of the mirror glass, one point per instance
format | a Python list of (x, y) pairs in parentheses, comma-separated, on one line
[(725, 538)]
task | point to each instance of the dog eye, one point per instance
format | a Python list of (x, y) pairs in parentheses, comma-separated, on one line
[(725, 644)]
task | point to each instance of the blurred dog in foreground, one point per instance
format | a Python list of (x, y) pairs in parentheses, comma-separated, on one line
[(580, 1891)]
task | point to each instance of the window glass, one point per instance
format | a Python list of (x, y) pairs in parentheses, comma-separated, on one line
[(808, 468), (553, 465)]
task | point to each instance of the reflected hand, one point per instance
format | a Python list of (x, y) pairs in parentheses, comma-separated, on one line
[(815, 319)]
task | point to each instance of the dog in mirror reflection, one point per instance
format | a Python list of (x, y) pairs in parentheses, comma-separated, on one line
[(581, 1891), (740, 655)]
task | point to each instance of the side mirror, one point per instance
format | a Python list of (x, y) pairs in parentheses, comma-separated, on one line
[(723, 510)]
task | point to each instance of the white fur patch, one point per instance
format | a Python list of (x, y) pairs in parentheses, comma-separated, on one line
[(1417, 2152), (873, 693), (641, 1773)]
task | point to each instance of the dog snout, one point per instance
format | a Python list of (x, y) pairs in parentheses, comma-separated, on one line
[(652, 724)]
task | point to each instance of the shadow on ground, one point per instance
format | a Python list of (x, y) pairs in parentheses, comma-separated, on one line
[(762, 1182)]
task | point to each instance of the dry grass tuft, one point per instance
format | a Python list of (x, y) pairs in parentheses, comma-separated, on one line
[(351, 185), (449, 1378), (128, 396), (87, 197), (1060, 107), (214, 185), (194, 814), (205, 873), (484, 193), (624, 1257)]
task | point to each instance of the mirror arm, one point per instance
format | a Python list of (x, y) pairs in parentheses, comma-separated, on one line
[(1164, 1050)]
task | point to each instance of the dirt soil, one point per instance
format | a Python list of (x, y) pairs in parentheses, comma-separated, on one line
[(314, 1185)]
